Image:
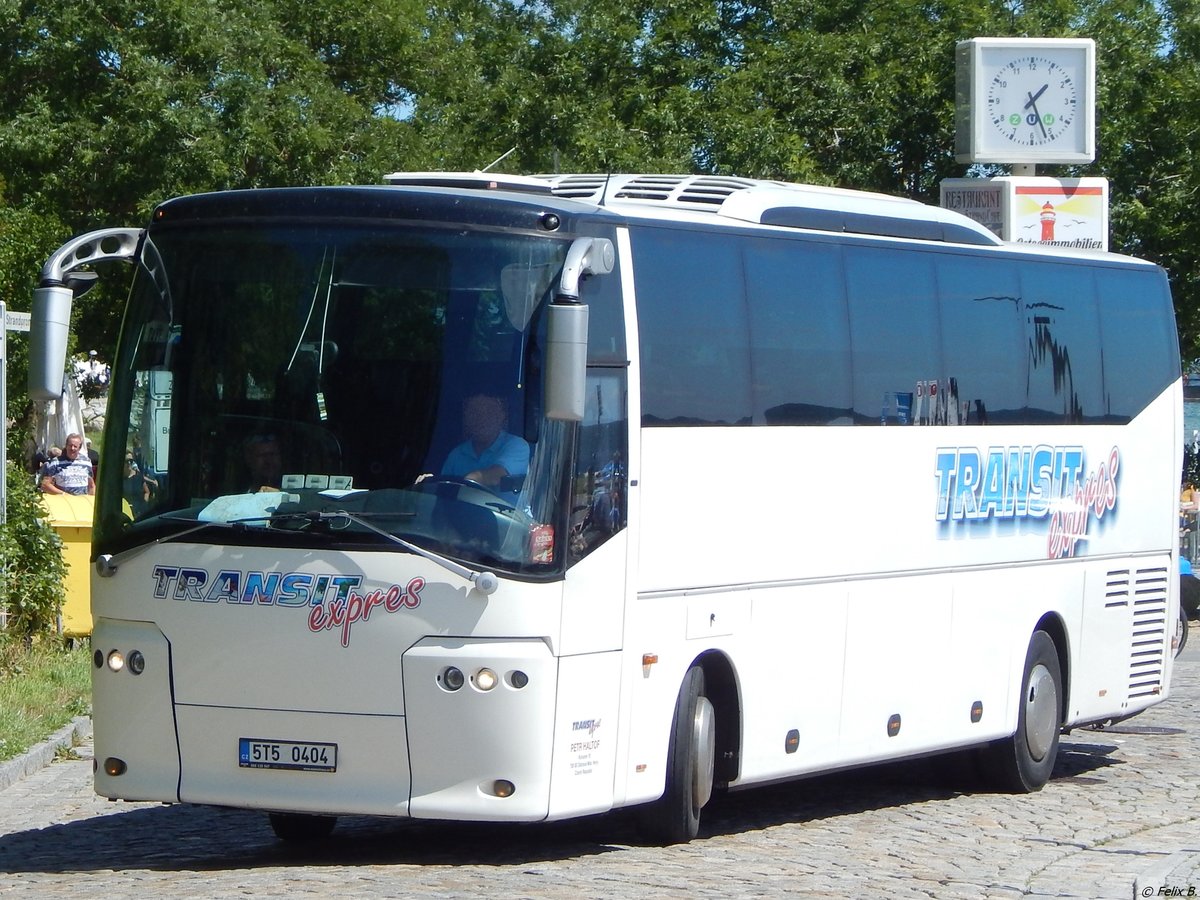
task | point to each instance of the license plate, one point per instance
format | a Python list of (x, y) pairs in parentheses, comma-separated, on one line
[(302, 756)]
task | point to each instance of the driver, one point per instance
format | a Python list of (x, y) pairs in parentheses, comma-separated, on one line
[(264, 461), (489, 453)]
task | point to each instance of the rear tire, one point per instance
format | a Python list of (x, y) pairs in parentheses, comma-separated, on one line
[(298, 828), (1024, 762), (675, 817)]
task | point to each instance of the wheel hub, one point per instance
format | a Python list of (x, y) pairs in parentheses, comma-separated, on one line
[(704, 740), (1041, 712)]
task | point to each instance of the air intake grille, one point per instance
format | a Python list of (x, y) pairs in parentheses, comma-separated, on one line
[(694, 190), (1117, 589), (579, 187), (1149, 644)]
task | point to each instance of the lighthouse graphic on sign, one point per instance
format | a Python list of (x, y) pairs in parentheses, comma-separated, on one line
[(1048, 215)]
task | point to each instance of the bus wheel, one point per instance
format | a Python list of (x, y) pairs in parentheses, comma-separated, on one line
[(294, 827), (675, 817), (1023, 763)]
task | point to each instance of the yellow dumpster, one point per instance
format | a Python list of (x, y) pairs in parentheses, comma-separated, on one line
[(71, 517)]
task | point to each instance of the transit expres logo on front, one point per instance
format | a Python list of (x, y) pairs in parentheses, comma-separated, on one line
[(334, 602), (1031, 482)]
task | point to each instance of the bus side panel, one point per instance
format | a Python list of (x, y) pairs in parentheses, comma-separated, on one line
[(654, 629), (792, 678), (898, 638), (593, 604), (1128, 618), (585, 734)]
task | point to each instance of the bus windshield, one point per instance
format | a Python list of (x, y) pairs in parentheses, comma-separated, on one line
[(338, 384)]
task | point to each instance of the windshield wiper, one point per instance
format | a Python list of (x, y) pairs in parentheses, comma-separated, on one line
[(107, 563), (485, 582)]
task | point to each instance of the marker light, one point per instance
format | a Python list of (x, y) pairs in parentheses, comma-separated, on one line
[(137, 662), (453, 678), (502, 788), (116, 661), (485, 679)]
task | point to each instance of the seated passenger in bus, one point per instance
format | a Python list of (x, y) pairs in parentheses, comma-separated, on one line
[(489, 454)]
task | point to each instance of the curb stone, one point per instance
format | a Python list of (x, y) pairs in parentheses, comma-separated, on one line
[(41, 755)]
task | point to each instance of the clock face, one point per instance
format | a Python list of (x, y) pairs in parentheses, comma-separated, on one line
[(1025, 100), (1033, 101)]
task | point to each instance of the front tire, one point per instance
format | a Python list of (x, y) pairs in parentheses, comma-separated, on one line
[(1023, 763), (675, 817)]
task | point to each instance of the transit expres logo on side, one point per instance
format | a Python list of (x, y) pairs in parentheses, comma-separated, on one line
[(334, 602), (1029, 482)]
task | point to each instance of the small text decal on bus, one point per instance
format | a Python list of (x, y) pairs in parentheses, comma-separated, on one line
[(1028, 482), (334, 602)]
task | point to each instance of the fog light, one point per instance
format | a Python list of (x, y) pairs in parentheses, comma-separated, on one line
[(114, 766), (116, 661), (485, 679), (518, 679), (137, 662), (453, 678), (502, 788)]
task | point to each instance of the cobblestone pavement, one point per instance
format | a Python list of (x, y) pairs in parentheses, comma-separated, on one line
[(1120, 819)]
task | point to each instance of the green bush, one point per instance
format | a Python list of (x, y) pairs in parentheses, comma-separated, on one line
[(31, 580)]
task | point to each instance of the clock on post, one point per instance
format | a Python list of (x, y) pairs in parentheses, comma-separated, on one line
[(1025, 100)]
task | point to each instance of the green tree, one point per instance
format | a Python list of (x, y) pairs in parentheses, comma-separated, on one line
[(31, 562)]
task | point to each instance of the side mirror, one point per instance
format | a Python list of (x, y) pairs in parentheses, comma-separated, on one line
[(566, 361), (50, 322), (48, 341), (567, 330)]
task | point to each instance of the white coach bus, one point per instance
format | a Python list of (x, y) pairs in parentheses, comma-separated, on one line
[(520, 499)]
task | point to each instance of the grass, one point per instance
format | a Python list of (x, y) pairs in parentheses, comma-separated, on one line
[(42, 688)]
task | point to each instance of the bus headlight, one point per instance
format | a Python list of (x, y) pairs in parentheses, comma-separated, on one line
[(116, 660), (485, 679), (137, 662)]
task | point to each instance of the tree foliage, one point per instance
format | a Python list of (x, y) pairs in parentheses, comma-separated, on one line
[(108, 108), (31, 561)]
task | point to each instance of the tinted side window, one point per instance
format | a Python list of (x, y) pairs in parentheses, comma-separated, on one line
[(799, 333), (982, 336), (692, 328), (738, 329), (895, 334), (606, 315), (1141, 351), (1062, 335)]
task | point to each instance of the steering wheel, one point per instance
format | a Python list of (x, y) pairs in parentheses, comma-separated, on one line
[(430, 486)]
